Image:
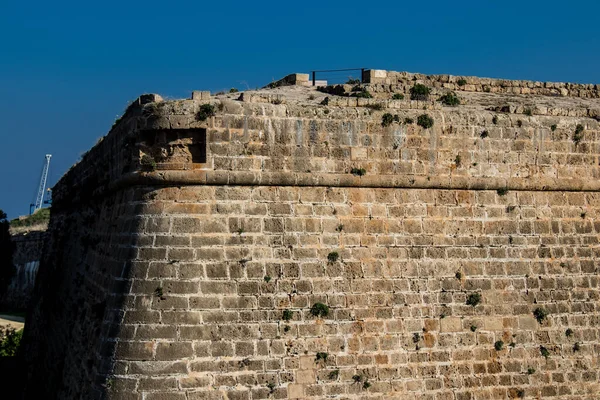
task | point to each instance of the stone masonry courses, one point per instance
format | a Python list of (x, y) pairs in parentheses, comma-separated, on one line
[(342, 242)]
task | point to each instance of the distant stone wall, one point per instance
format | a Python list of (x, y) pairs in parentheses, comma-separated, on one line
[(26, 258), (484, 85), (187, 254)]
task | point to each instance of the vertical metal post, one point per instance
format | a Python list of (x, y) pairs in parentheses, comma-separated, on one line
[(314, 73)]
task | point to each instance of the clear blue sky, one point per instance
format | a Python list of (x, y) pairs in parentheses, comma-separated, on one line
[(67, 69)]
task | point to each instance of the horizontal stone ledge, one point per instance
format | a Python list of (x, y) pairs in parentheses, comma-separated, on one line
[(248, 178)]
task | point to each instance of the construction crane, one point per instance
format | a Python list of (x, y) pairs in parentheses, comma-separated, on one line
[(39, 198)]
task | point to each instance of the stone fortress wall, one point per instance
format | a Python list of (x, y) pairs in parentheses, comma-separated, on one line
[(282, 248), (486, 85), (26, 259)]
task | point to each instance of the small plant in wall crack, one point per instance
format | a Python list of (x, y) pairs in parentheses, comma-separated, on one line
[(569, 332), (425, 121), (243, 262), (267, 278), (365, 382), (271, 386), (109, 383), (473, 299), (419, 92), (333, 256), (244, 363), (544, 352), (147, 162), (287, 315), (578, 135), (358, 171), (540, 314), (158, 292), (388, 119), (333, 375), (319, 310), (362, 93), (450, 99), (320, 356), (416, 337), (375, 107), (499, 345), (457, 160), (206, 111)]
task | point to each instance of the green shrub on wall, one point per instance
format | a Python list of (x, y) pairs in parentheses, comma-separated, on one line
[(206, 111), (419, 92), (387, 119), (450, 99), (425, 121), (319, 310)]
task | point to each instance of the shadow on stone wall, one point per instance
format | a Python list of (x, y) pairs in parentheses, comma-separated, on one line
[(78, 297), (26, 258)]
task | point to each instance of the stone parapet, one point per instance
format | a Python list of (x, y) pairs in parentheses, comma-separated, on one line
[(266, 135)]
